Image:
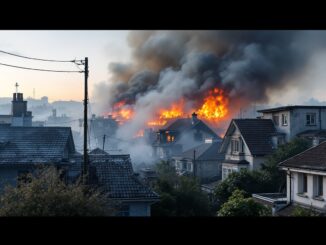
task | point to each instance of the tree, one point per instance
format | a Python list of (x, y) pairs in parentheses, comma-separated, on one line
[(179, 195), (276, 177), (303, 212), (246, 180), (46, 194), (239, 205)]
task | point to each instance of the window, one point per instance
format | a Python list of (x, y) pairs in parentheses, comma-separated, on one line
[(235, 145), (318, 185), (302, 183), (284, 119), (311, 119), (276, 120), (189, 168), (184, 166)]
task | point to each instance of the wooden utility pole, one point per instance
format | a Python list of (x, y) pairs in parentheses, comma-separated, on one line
[(85, 170), (103, 141), (195, 169)]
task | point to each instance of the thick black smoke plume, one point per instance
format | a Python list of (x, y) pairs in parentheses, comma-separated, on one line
[(168, 65)]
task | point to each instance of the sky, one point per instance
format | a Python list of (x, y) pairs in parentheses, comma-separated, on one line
[(101, 48)]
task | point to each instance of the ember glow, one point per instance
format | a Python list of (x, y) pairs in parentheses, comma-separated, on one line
[(212, 108), (122, 112)]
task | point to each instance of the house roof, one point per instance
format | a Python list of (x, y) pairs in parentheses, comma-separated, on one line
[(286, 108), (312, 159), (256, 134), (120, 184), (98, 151), (206, 151), (312, 133), (184, 124), (35, 144)]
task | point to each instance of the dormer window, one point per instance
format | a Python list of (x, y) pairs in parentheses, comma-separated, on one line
[(311, 119), (236, 146), (284, 120)]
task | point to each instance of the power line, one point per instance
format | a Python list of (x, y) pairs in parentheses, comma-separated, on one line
[(31, 58), (36, 69)]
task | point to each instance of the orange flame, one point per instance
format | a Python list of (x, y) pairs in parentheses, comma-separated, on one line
[(215, 105), (122, 112)]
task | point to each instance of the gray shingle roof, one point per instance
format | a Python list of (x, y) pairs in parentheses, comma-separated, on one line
[(120, 184), (34, 144), (257, 134), (184, 124), (206, 151), (312, 159)]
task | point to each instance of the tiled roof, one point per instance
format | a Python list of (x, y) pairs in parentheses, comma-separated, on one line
[(34, 144), (257, 134), (206, 151), (98, 151), (120, 183), (184, 124), (312, 159)]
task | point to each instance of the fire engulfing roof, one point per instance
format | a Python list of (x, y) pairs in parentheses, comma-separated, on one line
[(184, 124)]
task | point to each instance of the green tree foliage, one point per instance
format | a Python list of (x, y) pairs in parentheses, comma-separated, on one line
[(276, 177), (303, 212), (179, 195), (46, 194), (240, 205), (245, 180)]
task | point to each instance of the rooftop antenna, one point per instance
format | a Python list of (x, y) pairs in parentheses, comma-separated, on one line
[(16, 85)]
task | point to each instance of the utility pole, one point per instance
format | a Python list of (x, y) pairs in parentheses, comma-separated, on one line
[(103, 141), (195, 169), (85, 170)]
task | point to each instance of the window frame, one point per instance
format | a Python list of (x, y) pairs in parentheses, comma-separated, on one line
[(311, 115), (318, 187), (285, 119)]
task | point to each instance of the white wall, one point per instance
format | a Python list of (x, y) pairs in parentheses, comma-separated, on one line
[(309, 200)]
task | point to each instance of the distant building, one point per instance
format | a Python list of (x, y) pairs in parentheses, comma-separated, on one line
[(19, 116), (182, 135), (247, 143), (55, 120), (203, 161)]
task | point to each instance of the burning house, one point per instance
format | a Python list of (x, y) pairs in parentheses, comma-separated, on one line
[(182, 135)]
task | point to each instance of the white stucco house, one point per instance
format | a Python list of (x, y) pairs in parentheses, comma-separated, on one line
[(246, 144), (306, 178)]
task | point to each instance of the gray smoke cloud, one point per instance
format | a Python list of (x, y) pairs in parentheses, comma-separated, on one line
[(169, 65)]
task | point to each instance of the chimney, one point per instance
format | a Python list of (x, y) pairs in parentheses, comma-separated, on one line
[(194, 118), (54, 112)]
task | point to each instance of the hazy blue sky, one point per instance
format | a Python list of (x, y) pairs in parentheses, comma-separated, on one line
[(101, 47)]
